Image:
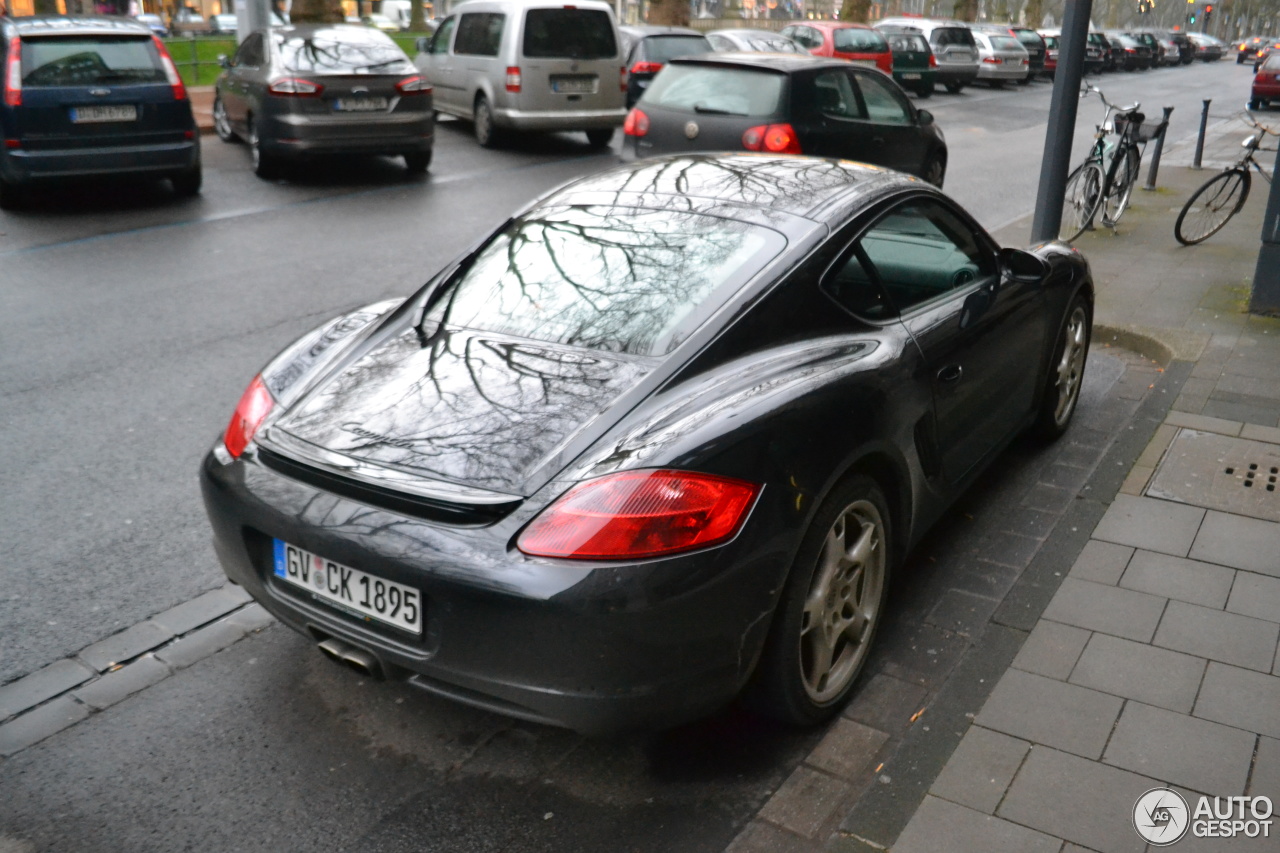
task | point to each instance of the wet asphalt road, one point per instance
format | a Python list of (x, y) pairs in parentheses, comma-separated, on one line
[(130, 323)]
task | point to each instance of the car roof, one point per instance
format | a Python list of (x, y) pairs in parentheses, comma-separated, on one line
[(837, 25), (784, 62), (57, 25), (758, 186), (737, 31), (646, 30)]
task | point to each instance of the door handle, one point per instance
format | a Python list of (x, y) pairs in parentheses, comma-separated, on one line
[(950, 373)]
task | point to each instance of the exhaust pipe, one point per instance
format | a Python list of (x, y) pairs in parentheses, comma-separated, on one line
[(358, 659)]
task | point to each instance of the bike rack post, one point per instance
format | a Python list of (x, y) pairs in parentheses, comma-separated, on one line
[(1155, 155), (1204, 123), (1264, 295)]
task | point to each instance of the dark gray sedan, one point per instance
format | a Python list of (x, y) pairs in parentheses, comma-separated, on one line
[(302, 90)]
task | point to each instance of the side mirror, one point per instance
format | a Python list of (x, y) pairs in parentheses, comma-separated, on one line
[(223, 61), (1023, 266), (925, 117), (423, 43)]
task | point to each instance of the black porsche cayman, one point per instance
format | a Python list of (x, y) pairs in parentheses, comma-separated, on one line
[(659, 439)]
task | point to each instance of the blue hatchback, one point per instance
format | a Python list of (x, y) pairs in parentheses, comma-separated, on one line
[(91, 96)]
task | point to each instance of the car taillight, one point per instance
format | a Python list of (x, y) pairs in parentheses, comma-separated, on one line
[(637, 123), (646, 68), (636, 514), (933, 61), (622, 78), (255, 404), (13, 74), (774, 138), (992, 60), (415, 85), (1026, 62), (514, 80), (295, 87), (170, 71), (1130, 50)]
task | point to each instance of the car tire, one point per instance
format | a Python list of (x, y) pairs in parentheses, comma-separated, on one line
[(1066, 371), (935, 172), (925, 90), (996, 84), (954, 88), (1255, 104), (417, 163), (265, 165), (187, 184), (830, 608), (600, 137), (486, 133), (221, 121)]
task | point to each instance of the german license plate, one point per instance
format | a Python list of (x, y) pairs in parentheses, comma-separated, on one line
[(574, 85), (359, 105), (90, 115), (348, 588), (869, 63), (910, 76)]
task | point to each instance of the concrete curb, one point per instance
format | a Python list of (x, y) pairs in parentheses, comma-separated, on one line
[(1162, 345)]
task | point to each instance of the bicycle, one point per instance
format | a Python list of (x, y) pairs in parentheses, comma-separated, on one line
[(1104, 182), (1222, 196)]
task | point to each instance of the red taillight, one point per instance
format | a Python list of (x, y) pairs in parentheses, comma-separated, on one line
[(992, 60), (1026, 62), (170, 71), (514, 79), (295, 87), (13, 74), (637, 123), (415, 85), (255, 404), (13, 143), (933, 61), (646, 68), (1130, 50), (774, 138), (622, 78), (637, 514)]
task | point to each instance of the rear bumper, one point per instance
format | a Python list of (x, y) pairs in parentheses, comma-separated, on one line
[(21, 166), (957, 73), (1266, 91), (392, 134), (559, 119), (1006, 73)]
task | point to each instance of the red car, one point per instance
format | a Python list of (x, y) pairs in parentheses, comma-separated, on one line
[(854, 42), (1266, 83)]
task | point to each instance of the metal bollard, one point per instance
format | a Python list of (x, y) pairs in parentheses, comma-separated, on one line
[(1204, 123), (1155, 155)]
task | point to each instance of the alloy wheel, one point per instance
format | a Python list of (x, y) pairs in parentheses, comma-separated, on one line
[(1070, 368), (843, 603)]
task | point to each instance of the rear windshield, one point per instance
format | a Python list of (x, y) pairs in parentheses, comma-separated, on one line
[(1029, 38), (948, 36), (663, 49), (1272, 62), (83, 60), (724, 91), (773, 44), (569, 34), (354, 50), (907, 44), (1051, 41), (853, 39), (1004, 43), (605, 278)]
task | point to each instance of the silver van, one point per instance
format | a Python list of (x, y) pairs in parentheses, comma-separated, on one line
[(528, 65), (953, 45)]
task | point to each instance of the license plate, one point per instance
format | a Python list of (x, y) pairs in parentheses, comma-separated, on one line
[(90, 115), (360, 105), (869, 63), (910, 76), (348, 588), (574, 85)]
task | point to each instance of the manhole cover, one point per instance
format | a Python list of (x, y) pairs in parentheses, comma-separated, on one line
[(1220, 472)]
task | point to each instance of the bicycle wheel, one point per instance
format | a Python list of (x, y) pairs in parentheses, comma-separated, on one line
[(1212, 206), (1081, 200), (1124, 174)]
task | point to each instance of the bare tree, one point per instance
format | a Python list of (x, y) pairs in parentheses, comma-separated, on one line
[(46, 7), (674, 13), (417, 18), (965, 10), (858, 11)]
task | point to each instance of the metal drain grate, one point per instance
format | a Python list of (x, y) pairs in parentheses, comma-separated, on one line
[(1256, 472), (1220, 472)]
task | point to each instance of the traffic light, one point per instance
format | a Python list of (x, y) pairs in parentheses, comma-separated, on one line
[(1208, 12), (1191, 19)]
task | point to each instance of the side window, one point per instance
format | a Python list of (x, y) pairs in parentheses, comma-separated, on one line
[(856, 290), (440, 42), (813, 38), (833, 95), (720, 42), (883, 104), (250, 52), (479, 34), (921, 251)]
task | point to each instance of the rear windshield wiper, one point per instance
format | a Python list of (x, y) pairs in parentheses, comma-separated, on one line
[(701, 110), (381, 64)]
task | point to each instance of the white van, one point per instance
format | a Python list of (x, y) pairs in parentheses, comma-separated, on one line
[(528, 65)]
